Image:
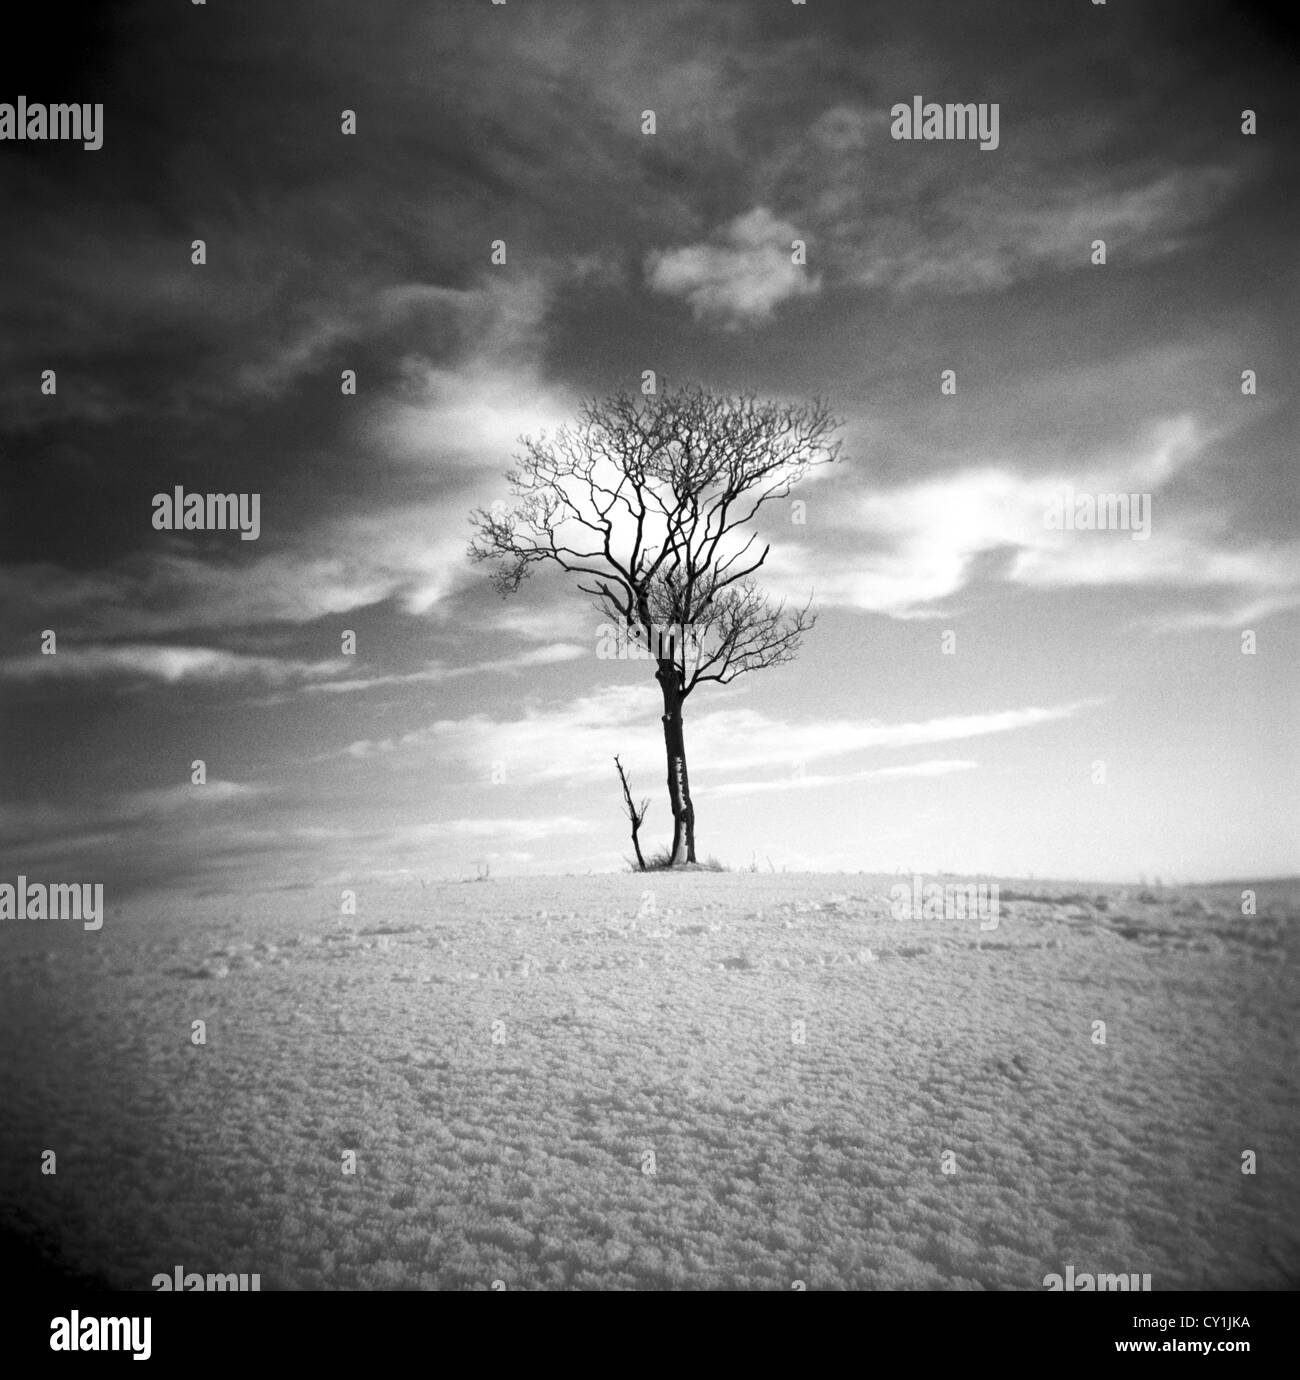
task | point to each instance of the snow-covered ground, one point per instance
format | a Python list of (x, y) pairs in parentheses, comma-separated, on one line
[(602, 1083)]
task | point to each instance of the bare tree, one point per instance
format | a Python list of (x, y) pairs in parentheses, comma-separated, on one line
[(636, 814), (647, 499)]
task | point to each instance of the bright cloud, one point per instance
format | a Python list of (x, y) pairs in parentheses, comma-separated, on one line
[(740, 280), (576, 742), (916, 545)]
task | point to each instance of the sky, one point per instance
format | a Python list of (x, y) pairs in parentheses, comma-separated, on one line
[(982, 692)]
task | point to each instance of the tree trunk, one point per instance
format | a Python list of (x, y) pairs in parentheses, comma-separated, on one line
[(679, 784)]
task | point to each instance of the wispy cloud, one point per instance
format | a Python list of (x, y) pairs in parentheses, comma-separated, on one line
[(936, 767), (538, 656), (168, 664), (539, 746), (947, 224)]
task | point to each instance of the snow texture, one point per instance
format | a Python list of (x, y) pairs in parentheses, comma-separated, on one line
[(502, 1056)]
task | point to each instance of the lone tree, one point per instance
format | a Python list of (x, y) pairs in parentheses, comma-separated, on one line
[(646, 499)]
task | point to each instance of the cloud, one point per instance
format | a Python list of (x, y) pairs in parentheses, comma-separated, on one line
[(472, 407), (170, 665), (575, 743), (469, 386), (414, 553), (435, 674), (552, 611), (935, 767), (882, 216), (166, 800), (915, 546), (739, 281), (992, 237)]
